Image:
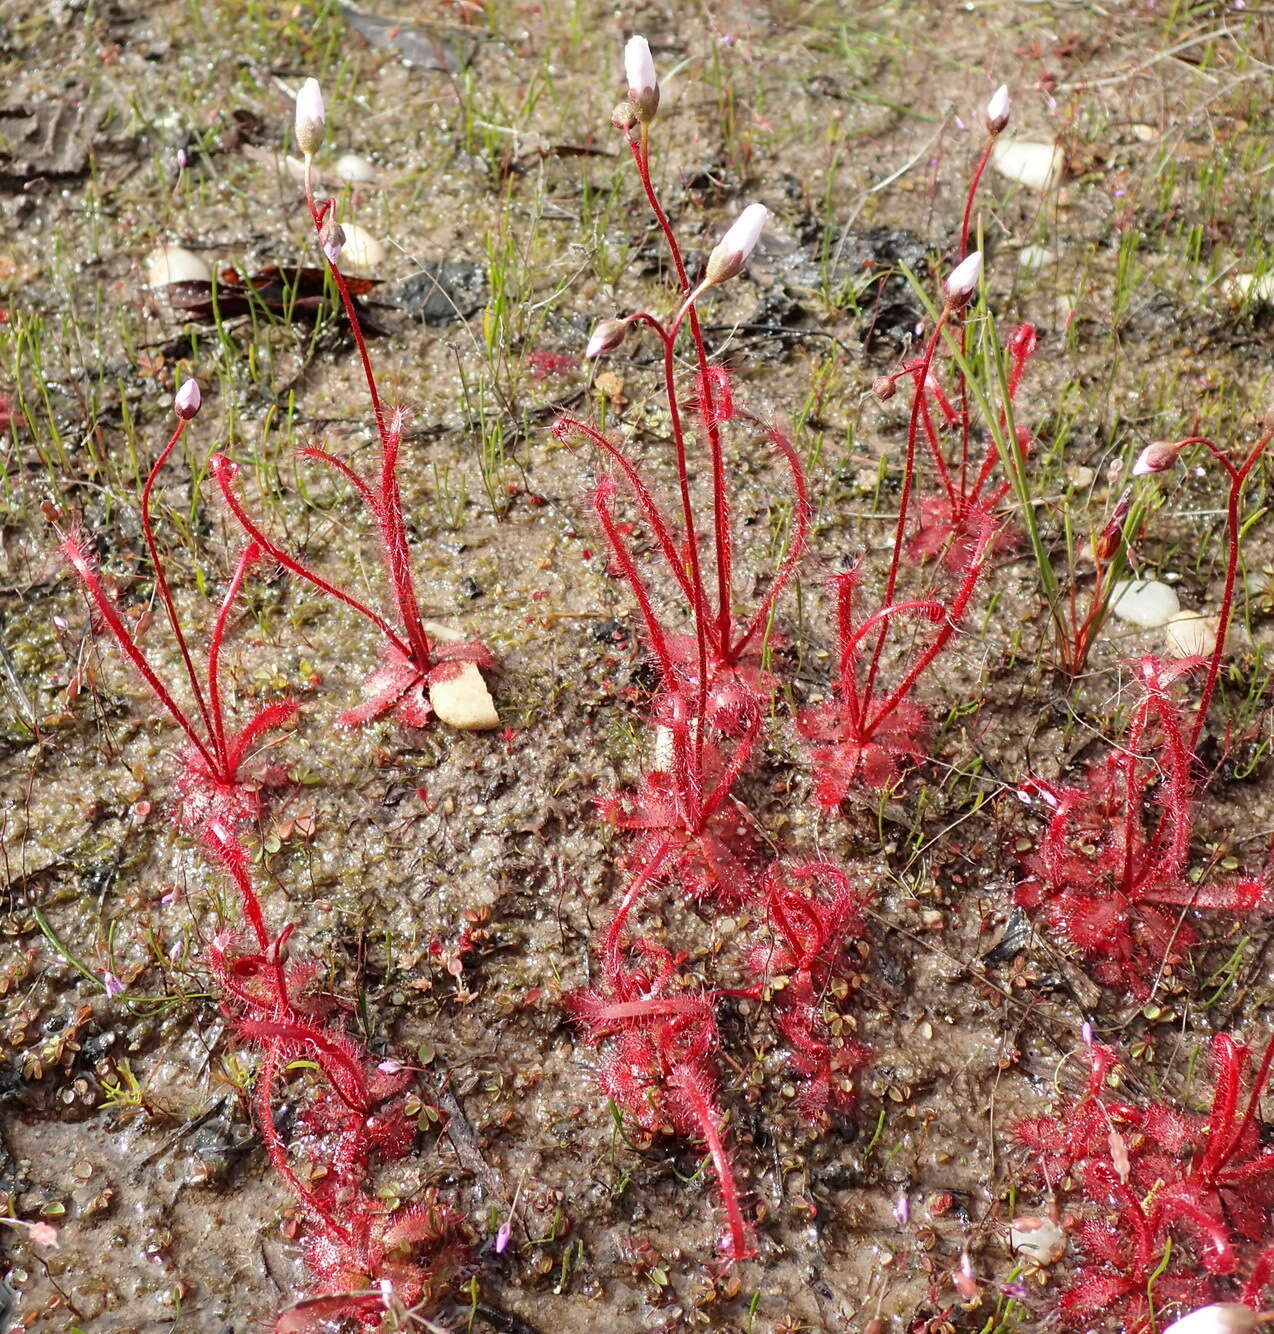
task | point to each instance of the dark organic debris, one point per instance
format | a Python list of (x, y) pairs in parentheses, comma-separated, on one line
[(291, 291), (415, 43), (49, 139), (444, 293)]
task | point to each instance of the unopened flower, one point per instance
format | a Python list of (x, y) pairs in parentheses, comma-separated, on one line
[(1220, 1318), (997, 110), (1158, 456), (732, 251), (111, 984), (188, 400), (643, 84), (624, 117), (884, 388), (606, 337), (963, 280), (310, 118), (332, 239), (44, 1234)]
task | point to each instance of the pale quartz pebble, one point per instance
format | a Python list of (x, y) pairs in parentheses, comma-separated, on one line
[(1039, 1239), (1032, 258), (1220, 1318), (354, 169), (1190, 634), (175, 264), (1144, 133), (1147, 603), (463, 702), (362, 253), (1080, 475), (1037, 166), (1249, 287)]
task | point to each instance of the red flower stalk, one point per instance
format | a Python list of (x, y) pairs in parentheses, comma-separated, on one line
[(210, 778), (1111, 874), (412, 662), (857, 737)]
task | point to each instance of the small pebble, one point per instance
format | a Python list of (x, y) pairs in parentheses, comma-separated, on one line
[(1190, 634), (1039, 1239), (362, 253), (1034, 165), (1147, 603), (175, 264), (354, 169), (1032, 258)]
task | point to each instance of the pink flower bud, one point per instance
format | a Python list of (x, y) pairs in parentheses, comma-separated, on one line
[(111, 984), (310, 117), (188, 400), (606, 337), (732, 251), (332, 239), (44, 1234), (1158, 456), (643, 85), (997, 110), (1220, 1318), (963, 281)]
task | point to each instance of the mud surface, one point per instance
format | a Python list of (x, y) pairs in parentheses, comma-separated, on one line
[(512, 222)]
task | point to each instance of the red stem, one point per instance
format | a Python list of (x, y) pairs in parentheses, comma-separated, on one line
[(165, 595), (106, 609), (223, 470)]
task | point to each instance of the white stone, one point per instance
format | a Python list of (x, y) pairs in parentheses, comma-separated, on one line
[(1221, 1318), (1249, 287), (362, 253), (1037, 166), (175, 264), (354, 169), (1147, 603), (1189, 634), (1039, 1239), (1032, 258), (463, 702)]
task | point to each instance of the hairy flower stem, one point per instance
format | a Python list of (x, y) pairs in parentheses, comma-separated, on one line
[(386, 500), (720, 505), (1233, 526), (908, 477)]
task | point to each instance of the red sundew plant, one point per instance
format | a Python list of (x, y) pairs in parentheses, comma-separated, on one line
[(366, 1256), (1112, 871), (210, 778), (412, 661), (812, 912), (856, 737), (1179, 1207)]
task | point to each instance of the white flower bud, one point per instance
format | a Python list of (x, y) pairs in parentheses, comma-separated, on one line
[(1158, 456), (332, 239), (606, 337), (997, 110), (188, 400), (310, 118), (643, 84), (732, 251), (1220, 1318), (963, 281)]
